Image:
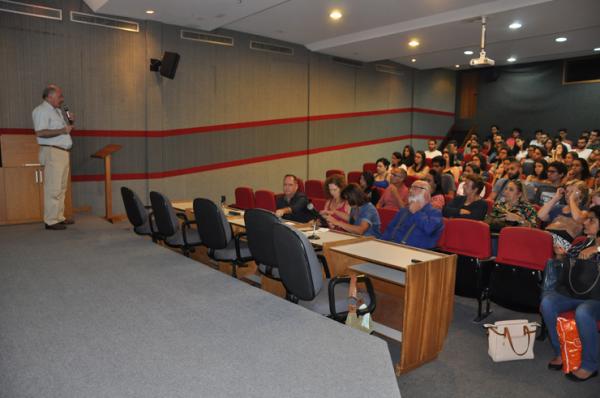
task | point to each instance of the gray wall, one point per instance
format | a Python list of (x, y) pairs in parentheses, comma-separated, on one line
[(105, 76), (532, 96)]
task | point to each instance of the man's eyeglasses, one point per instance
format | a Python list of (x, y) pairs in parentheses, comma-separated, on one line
[(417, 186)]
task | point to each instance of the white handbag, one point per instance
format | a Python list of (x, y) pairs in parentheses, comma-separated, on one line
[(511, 340)]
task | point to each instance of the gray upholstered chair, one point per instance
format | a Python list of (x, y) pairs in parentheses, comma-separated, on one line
[(138, 214), (259, 230), (215, 233), (302, 276), (169, 229)]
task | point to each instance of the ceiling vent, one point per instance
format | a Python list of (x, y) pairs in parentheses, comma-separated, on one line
[(391, 69), (31, 10), (348, 62), (208, 38), (271, 48), (112, 23)]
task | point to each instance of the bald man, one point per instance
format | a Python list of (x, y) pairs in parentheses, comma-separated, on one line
[(419, 224), (54, 137)]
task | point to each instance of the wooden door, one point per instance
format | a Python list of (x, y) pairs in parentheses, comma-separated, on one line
[(469, 82), (23, 192)]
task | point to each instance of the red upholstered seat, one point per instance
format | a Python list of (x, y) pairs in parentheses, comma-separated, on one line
[(488, 191), (372, 167), (331, 172), (386, 216), (319, 203), (524, 247), (428, 162), (300, 184), (265, 200), (467, 238), (244, 198), (408, 181), (354, 177), (490, 204), (314, 189), (467, 158)]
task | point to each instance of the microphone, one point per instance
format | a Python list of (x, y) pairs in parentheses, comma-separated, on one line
[(69, 115), (317, 216)]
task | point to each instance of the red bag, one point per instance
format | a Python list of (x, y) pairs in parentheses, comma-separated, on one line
[(570, 344)]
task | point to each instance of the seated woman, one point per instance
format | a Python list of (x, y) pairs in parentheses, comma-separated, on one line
[(408, 156), (335, 206), (565, 220), (566, 298), (481, 162), (514, 210), (363, 218), (437, 195), (419, 168), (381, 178), (470, 205), (366, 183), (470, 169), (396, 161), (395, 195), (540, 172), (449, 166)]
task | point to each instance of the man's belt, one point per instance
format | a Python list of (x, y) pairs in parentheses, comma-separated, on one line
[(57, 147)]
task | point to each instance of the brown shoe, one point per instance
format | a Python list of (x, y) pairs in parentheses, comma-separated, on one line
[(56, 227), (68, 221)]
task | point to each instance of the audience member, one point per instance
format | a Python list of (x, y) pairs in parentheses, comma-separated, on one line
[(513, 174), (395, 195), (448, 182), (363, 218), (366, 183), (292, 204), (381, 178), (408, 156), (335, 206), (470, 169), (513, 210), (432, 150), (567, 297), (582, 150), (569, 157), (519, 151), (480, 161), (562, 134), (419, 169), (396, 161), (537, 141), (437, 195), (418, 224), (540, 172), (470, 205), (556, 172), (449, 166), (452, 148)]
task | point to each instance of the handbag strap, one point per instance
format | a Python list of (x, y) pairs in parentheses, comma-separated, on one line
[(506, 334), (573, 263)]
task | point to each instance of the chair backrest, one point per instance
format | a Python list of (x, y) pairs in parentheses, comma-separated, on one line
[(164, 214), (136, 213), (334, 171), (213, 228), (408, 181), (259, 230), (264, 199), (428, 162), (467, 158), (299, 267), (488, 190), (354, 177), (490, 205), (244, 198), (300, 182), (319, 203), (467, 238), (524, 247), (372, 167), (314, 189), (386, 216), (442, 238)]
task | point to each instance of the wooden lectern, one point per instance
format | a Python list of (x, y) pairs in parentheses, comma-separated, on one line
[(106, 154)]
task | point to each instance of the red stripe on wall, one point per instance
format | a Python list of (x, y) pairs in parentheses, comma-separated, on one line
[(233, 126), (241, 162)]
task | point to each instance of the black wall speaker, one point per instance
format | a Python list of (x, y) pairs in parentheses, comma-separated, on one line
[(582, 70), (490, 75), (169, 64)]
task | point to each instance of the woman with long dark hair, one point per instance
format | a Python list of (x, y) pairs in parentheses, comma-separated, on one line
[(408, 156), (419, 168)]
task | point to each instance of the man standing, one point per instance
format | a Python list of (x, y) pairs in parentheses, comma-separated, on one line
[(292, 205), (53, 136), (419, 224)]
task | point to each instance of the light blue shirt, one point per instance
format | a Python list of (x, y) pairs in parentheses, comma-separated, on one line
[(47, 117), (368, 213)]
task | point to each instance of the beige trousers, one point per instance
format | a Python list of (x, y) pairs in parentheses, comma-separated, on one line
[(56, 176)]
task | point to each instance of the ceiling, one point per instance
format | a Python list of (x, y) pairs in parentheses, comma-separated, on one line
[(375, 30)]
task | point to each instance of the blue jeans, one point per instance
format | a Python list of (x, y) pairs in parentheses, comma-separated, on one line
[(587, 312)]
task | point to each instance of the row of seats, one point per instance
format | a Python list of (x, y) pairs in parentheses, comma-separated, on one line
[(280, 252)]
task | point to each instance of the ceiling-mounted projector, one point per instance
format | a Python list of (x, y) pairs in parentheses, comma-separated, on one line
[(482, 60)]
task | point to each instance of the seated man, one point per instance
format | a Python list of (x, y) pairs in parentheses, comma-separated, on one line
[(544, 192), (292, 205), (395, 195), (448, 183), (513, 173), (418, 224)]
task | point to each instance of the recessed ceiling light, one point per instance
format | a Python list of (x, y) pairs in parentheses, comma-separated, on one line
[(597, 49), (468, 52), (560, 39), (515, 25), (150, 12), (413, 60), (511, 59), (335, 15), (414, 43), (457, 66)]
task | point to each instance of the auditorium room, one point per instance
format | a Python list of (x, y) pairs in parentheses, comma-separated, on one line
[(299, 198)]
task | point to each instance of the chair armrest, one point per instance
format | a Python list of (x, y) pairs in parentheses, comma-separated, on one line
[(323, 261), (182, 216), (346, 280)]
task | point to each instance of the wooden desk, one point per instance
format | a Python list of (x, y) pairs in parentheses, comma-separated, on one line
[(415, 294)]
